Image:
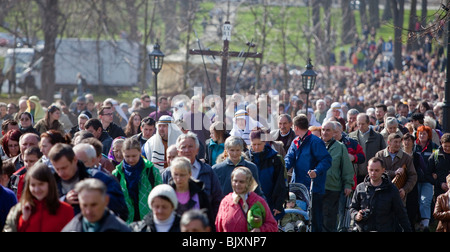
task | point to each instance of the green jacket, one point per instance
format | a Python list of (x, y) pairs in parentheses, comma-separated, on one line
[(145, 187), (341, 173)]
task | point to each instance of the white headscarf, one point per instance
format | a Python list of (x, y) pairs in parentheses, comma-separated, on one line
[(334, 106), (249, 125), (313, 121)]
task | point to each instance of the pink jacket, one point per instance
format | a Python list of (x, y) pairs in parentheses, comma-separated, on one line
[(230, 217)]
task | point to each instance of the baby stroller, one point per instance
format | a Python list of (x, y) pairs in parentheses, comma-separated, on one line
[(302, 200)]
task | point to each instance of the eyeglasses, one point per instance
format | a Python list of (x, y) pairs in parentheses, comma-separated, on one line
[(108, 114)]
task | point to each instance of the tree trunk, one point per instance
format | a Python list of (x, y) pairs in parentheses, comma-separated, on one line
[(374, 13), (412, 37), (387, 13), (50, 24), (348, 23), (398, 7), (363, 12)]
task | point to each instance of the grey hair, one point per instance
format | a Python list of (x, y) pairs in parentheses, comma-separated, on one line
[(88, 149), (91, 184), (353, 112), (190, 135), (333, 125), (391, 121), (338, 125), (234, 141)]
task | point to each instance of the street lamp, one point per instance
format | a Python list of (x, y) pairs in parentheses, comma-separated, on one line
[(156, 62), (308, 81)]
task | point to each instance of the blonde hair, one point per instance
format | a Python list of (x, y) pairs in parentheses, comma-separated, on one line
[(182, 163)]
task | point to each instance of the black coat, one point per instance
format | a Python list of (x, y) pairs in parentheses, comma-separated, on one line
[(148, 224), (386, 207), (440, 164)]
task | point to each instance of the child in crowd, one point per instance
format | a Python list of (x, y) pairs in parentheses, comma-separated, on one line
[(294, 220)]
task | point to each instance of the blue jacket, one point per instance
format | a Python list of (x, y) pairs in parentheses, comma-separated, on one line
[(7, 200), (308, 153), (271, 175), (224, 169)]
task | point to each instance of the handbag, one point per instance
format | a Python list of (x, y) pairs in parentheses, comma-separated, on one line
[(400, 179)]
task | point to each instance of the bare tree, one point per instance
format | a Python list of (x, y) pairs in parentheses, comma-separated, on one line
[(412, 44), (398, 10), (51, 20), (348, 23)]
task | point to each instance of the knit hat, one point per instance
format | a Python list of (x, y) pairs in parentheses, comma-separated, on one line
[(163, 190), (292, 197)]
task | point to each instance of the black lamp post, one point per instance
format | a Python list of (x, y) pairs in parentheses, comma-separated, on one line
[(156, 62), (308, 81)]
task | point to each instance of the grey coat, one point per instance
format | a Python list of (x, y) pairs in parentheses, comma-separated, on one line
[(109, 223)]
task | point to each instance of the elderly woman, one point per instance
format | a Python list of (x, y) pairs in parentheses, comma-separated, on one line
[(163, 202), (243, 124), (391, 126), (233, 156), (235, 211), (425, 147), (190, 192), (335, 113), (115, 155)]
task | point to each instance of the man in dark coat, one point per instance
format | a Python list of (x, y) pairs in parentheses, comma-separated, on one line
[(69, 171), (376, 205)]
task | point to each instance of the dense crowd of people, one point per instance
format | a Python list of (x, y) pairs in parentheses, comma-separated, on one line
[(370, 151)]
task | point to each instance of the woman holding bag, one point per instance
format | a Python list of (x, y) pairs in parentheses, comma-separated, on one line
[(233, 215)]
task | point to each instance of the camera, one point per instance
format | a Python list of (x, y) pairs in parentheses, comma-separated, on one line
[(365, 214)]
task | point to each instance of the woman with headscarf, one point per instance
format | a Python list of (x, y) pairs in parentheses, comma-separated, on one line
[(335, 113), (115, 153), (35, 108), (233, 215), (26, 123), (243, 125)]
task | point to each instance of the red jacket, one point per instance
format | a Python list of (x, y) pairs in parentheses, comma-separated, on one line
[(230, 217), (42, 221)]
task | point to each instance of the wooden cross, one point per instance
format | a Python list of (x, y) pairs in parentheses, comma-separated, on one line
[(225, 54)]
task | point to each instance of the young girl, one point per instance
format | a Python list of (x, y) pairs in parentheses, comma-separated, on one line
[(190, 193), (137, 177), (39, 208), (134, 125)]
